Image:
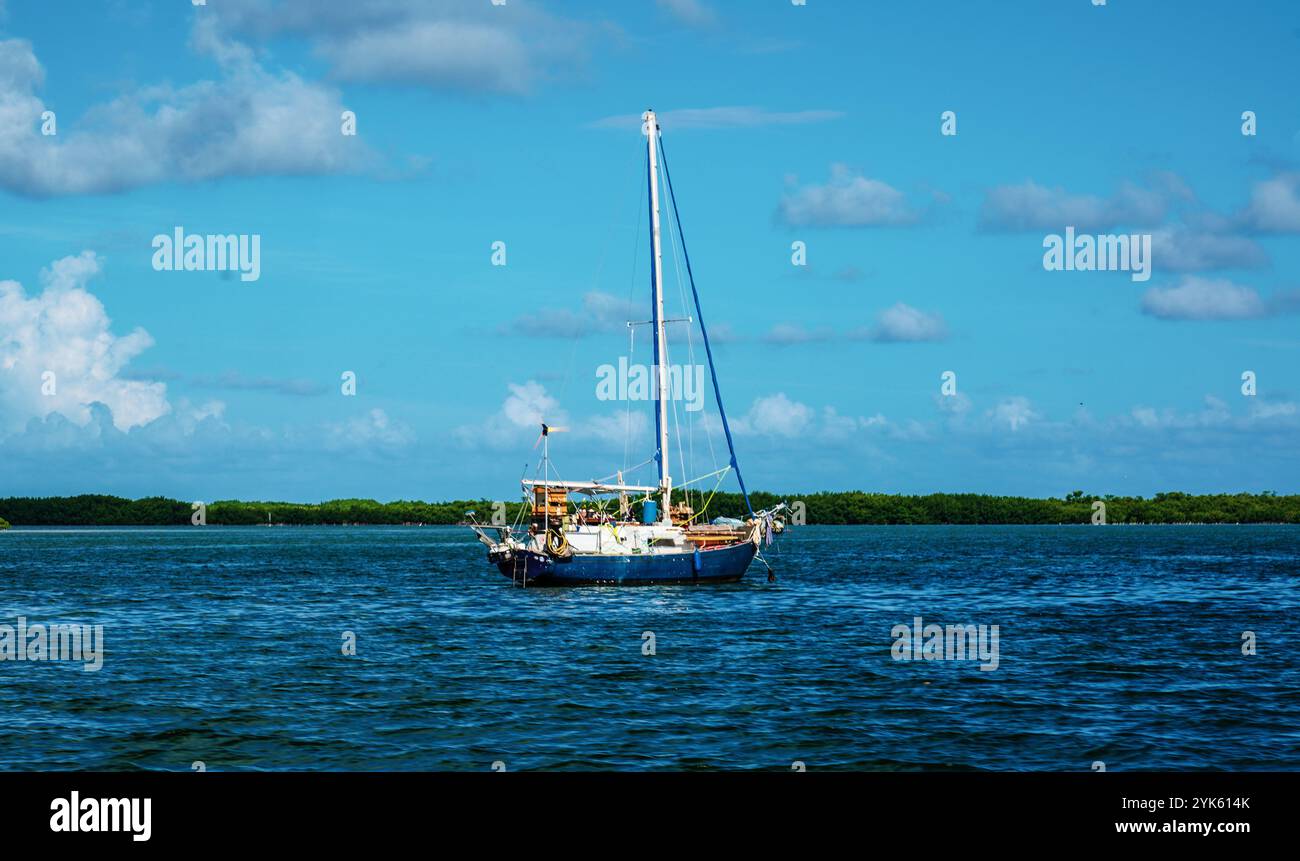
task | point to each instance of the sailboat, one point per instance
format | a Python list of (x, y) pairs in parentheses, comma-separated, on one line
[(649, 539)]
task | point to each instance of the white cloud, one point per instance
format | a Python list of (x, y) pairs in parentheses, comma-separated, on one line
[(65, 330), (517, 423), (838, 427), (956, 405), (1014, 412), (778, 417), (436, 44), (1030, 206), (525, 408), (250, 122), (1275, 205), (433, 54), (1181, 250), (1203, 241), (902, 323), (195, 452), (189, 416), (371, 430), (1215, 414), (529, 405), (847, 200), (1204, 299), (1273, 409), (775, 415)]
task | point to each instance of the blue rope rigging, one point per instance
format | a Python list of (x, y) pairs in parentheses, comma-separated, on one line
[(699, 314)]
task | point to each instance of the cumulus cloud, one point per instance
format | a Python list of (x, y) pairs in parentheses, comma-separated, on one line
[(1274, 205), (1180, 249), (433, 54), (371, 431), (524, 410), (435, 44), (1030, 206), (1204, 299), (250, 122), (847, 200), (1013, 413), (196, 452), (902, 323), (778, 417), (1262, 409), (1012, 426), (1214, 413), (59, 354), (527, 405), (775, 415), (956, 405), (734, 117), (1185, 237)]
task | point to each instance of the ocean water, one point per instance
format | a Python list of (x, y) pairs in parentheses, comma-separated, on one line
[(224, 645)]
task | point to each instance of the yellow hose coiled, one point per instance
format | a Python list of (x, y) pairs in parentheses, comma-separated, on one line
[(557, 544)]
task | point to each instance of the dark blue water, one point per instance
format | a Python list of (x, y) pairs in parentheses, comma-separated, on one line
[(1118, 644)]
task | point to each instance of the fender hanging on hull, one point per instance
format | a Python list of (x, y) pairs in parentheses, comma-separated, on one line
[(721, 565)]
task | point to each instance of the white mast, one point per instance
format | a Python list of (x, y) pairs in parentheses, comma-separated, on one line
[(661, 341)]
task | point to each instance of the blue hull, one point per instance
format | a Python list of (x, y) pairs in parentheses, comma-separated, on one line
[(721, 565)]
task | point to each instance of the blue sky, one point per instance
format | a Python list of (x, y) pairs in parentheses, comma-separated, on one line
[(518, 123)]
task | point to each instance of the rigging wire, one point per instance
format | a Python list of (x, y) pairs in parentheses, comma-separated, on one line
[(677, 425), (686, 455), (685, 452), (707, 349)]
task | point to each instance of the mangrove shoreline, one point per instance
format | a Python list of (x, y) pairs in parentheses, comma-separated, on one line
[(824, 508)]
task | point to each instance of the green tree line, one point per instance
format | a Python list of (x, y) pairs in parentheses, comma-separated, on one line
[(838, 508)]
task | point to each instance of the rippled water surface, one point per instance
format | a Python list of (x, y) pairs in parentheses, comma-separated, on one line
[(1119, 644)]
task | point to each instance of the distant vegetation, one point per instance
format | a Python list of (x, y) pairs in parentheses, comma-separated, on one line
[(4, 524), (820, 508)]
